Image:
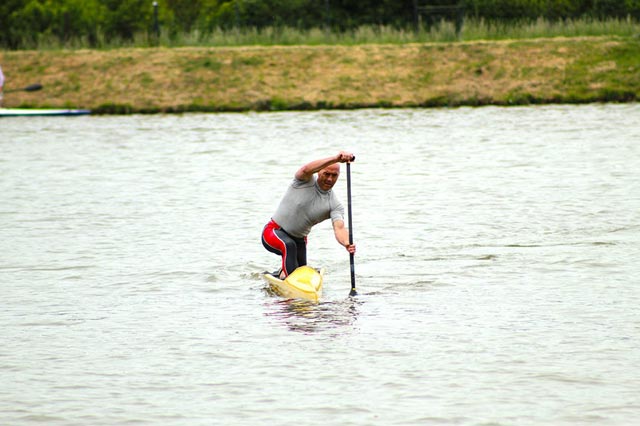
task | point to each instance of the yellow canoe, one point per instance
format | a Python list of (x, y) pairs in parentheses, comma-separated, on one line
[(303, 283)]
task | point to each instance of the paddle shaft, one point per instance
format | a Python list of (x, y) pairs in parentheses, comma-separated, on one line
[(29, 88), (353, 291)]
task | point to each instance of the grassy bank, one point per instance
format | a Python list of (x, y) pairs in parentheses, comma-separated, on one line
[(555, 70)]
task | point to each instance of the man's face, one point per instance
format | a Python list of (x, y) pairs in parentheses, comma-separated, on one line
[(328, 177)]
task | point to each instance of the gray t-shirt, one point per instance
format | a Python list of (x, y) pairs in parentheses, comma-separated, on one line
[(305, 205)]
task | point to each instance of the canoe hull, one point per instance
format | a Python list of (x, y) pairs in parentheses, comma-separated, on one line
[(26, 112), (303, 283)]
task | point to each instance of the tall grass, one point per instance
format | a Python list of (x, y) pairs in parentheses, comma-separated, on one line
[(472, 29), (542, 28), (444, 31)]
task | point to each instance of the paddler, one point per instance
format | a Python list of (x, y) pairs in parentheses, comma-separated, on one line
[(308, 201)]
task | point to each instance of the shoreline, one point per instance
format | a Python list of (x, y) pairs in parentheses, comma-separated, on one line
[(303, 78)]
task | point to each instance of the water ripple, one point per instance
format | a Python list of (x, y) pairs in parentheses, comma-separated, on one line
[(496, 267)]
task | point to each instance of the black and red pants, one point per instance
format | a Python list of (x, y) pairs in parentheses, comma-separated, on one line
[(292, 249)]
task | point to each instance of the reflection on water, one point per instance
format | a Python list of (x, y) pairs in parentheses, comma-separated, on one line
[(309, 317)]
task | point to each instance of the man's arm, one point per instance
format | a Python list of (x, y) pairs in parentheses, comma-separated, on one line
[(306, 172), (342, 235)]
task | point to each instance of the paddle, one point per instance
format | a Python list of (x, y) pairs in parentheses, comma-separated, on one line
[(353, 291), (30, 88)]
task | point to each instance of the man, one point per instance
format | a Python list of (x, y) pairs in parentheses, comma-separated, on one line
[(307, 202)]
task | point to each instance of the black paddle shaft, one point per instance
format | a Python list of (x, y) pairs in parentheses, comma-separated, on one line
[(351, 256)]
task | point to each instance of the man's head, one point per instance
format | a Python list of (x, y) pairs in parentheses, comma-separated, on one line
[(328, 176)]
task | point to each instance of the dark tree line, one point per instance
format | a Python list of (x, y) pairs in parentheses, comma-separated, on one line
[(27, 20)]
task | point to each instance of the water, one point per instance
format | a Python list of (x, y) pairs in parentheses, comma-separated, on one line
[(497, 270)]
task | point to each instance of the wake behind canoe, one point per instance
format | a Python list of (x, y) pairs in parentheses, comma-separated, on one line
[(303, 283)]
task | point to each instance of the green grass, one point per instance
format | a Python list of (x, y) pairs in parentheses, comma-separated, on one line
[(472, 30), (248, 61)]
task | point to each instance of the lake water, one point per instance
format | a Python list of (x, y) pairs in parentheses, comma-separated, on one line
[(497, 269)]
